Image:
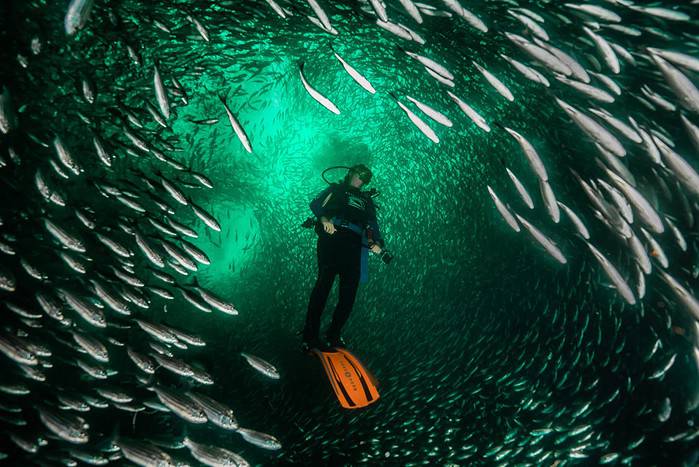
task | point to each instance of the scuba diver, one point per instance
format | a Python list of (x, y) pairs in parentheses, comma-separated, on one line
[(347, 229)]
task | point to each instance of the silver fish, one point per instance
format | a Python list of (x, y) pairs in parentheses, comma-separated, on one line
[(472, 114), (660, 12), (530, 24), (277, 9), (644, 209), (588, 90), (605, 49), (418, 122), (178, 255), (321, 99), (619, 283), (549, 200), (356, 76), (432, 113), (641, 283), (181, 405), (527, 72), (8, 282), (173, 190), (640, 254), (114, 395), (8, 118), (660, 372), (94, 370), (597, 11), (617, 124), (523, 193), (195, 252), (173, 364), (546, 242), (50, 306), (379, 9), (260, 439), (683, 87), (532, 155), (92, 346), (214, 456), (144, 363), (684, 171), (183, 229), (431, 64), (110, 299), (200, 27), (216, 302), (15, 349), (261, 365), (496, 83), (394, 29), (143, 454), (207, 218), (113, 245), (596, 131), (579, 225), (87, 311), (542, 55), (160, 332), (678, 58), (67, 427), (504, 212), (470, 18), (69, 241), (160, 92), (681, 241), (412, 10), (188, 338), (218, 413), (77, 15), (48, 193), (65, 157)]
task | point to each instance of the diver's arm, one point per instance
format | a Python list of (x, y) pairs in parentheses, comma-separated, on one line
[(374, 225), (376, 234)]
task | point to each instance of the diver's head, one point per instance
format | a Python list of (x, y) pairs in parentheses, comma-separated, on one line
[(358, 175)]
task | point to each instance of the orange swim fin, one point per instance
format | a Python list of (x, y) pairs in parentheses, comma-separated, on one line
[(354, 386)]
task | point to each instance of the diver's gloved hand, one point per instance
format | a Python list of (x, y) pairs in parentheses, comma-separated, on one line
[(375, 248), (328, 226)]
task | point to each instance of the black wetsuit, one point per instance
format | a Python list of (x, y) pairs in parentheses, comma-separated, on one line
[(339, 253)]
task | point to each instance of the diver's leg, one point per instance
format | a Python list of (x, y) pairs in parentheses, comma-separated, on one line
[(320, 293), (349, 282)]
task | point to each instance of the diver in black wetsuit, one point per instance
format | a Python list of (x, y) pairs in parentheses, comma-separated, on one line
[(346, 226)]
